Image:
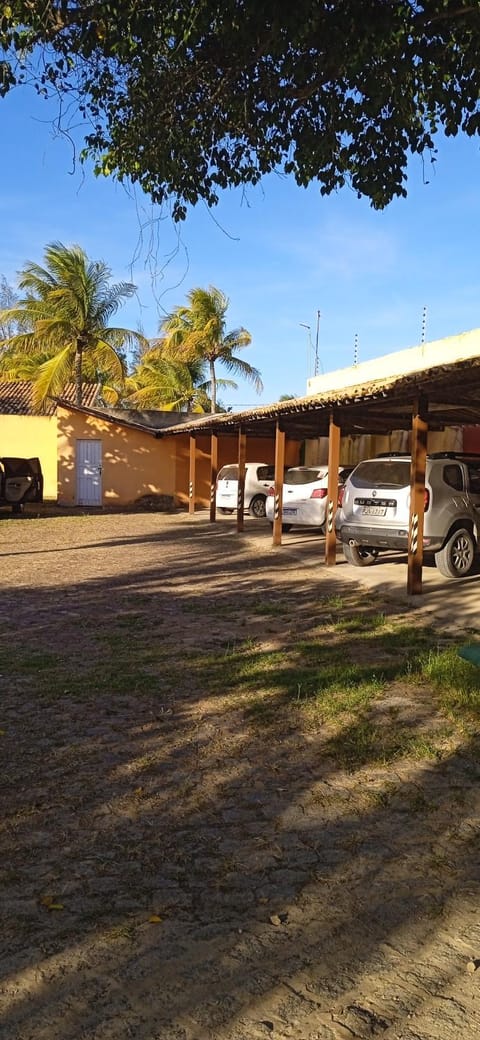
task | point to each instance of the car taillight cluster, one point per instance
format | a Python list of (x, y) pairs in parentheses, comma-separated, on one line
[(271, 491), (426, 500), (319, 493)]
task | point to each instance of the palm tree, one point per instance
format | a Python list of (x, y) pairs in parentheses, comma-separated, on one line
[(197, 332), (64, 314), (159, 382)]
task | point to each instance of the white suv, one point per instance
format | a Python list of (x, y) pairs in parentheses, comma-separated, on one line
[(375, 509), (258, 479)]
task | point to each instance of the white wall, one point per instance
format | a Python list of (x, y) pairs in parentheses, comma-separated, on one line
[(416, 359)]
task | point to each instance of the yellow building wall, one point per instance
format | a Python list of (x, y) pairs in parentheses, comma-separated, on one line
[(134, 463), (32, 436), (259, 449)]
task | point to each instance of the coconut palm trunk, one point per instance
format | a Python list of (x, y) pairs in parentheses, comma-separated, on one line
[(213, 385), (78, 373)]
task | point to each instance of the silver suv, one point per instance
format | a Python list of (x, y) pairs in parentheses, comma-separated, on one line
[(375, 509)]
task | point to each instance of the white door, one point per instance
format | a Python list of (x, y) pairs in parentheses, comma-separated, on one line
[(89, 473)]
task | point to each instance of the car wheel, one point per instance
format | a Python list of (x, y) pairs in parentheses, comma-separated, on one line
[(221, 509), (359, 555), (257, 507), (458, 554)]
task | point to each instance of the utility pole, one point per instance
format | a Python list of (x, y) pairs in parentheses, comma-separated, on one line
[(309, 345)]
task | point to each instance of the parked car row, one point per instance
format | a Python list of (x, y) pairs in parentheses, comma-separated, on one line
[(374, 505), (304, 492)]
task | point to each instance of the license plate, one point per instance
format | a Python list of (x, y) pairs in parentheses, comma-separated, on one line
[(374, 510), (289, 511)]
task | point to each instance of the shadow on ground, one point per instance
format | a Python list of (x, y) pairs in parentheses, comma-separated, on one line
[(180, 865)]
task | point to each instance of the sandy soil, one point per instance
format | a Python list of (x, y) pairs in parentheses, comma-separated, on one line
[(170, 871)]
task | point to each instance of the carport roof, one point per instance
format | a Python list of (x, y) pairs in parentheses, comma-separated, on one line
[(379, 406)]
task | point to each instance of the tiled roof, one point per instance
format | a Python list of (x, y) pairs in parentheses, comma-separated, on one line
[(16, 397)]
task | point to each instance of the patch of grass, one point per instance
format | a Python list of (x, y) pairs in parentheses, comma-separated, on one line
[(456, 682), (367, 742), (332, 679), (269, 609), (361, 623), (404, 638), (334, 602)]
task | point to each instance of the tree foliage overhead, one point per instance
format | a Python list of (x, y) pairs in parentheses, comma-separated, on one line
[(187, 99)]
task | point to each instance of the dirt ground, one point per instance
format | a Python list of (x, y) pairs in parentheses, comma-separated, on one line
[(171, 871)]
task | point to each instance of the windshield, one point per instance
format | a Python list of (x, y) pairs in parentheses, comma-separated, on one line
[(384, 473)]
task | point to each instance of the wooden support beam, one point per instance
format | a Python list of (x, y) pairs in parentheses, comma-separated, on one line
[(417, 495), (332, 494), (213, 475), (242, 454), (279, 470), (192, 475)]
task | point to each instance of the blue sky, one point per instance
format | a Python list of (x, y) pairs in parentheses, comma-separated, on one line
[(279, 252)]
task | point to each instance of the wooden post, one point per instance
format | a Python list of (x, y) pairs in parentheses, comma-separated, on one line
[(191, 477), (242, 454), (332, 493), (417, 495), (279, 469), (213, 475)]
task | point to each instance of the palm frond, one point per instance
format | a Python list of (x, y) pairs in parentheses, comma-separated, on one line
[(52, 377)]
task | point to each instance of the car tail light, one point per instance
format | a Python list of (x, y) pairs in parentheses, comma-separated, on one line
[(319, 493), (341, 492), (271, 491), (426, 500)]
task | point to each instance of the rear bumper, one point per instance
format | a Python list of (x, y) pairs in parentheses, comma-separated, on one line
[(382, 537)]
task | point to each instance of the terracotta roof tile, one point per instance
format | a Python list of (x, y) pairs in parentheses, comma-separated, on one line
[(16, 397)]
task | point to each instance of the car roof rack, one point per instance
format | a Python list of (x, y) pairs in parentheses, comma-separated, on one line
[(431, 455), (454, 455)]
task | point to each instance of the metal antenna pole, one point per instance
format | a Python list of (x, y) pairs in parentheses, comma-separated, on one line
[(355, 350), (424, 324), (316, 345)]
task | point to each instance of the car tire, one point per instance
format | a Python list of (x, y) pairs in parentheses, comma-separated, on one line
[(359, 555), (221, 509), (457, 557), (257, 507), (285, 527)]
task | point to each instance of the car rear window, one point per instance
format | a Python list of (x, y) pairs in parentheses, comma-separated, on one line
[(384, 473), (266, 473), (228, 473), (304, 476)]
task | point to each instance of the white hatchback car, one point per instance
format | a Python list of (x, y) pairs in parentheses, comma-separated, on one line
[(305, 492), (258, 480)]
